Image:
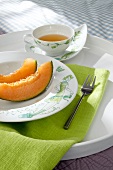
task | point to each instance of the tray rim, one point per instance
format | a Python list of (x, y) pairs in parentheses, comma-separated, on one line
[(84, 148)]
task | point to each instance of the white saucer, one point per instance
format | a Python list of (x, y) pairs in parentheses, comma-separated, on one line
[(74, 48)]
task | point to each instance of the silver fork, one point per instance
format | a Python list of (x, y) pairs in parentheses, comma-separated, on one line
[(86, 89)]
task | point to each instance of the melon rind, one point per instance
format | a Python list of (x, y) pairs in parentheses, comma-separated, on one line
[(29, 67), (29, 87)]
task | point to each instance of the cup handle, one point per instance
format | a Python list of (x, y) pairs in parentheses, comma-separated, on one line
[(28, 39)]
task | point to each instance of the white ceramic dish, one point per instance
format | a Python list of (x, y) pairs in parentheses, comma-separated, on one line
[(33, 109), (100, 135), (74, 48)]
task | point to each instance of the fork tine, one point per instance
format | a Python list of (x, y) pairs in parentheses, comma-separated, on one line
[(86, 80), (89, 80), (93, 82)]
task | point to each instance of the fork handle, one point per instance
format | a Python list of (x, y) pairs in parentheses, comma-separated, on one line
[(69, 120)]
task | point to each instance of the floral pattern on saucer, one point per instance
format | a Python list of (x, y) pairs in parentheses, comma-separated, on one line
[(75, 47)]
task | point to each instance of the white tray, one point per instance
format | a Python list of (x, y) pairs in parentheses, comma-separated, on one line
[(100, 135)]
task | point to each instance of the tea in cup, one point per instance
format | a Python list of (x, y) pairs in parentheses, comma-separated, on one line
[(54, 39)]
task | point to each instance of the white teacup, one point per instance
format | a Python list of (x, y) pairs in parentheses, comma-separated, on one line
[(54, 39)]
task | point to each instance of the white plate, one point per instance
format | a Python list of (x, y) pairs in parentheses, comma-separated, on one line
[(100, 135), (74, 48), (45, 104)]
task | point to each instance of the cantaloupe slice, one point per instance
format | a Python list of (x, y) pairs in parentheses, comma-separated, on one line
[(30, 87), (29, 67)]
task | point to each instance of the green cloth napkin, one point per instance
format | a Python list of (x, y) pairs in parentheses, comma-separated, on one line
[(40, 144)]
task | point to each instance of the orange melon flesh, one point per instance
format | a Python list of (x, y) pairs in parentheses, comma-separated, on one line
[(30, 87), (29, 67)]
